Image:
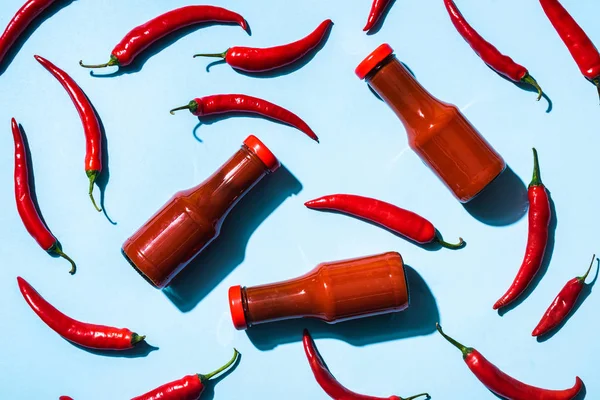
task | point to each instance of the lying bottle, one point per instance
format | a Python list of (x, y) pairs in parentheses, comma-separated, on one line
[(333, 292), (192, 219), (438, 132)]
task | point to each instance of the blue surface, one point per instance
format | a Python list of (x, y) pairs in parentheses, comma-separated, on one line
[(271, 236)]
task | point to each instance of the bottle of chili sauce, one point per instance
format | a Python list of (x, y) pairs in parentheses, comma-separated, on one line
[(192, 219), (332, 292), (438, 132)]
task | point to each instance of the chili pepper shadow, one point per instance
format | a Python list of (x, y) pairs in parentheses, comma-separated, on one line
[(16, 47), (544, 266), (587, 290), (377, 27), (503, 202), (527, 87), (141, 349), (418, 320), (157, 47), (209, 388), (222, 256)]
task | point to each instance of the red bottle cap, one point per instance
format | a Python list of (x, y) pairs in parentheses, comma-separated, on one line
[(263, 152), (377, 56), (236, 307)]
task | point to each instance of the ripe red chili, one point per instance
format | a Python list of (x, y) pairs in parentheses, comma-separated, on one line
[(499, 62), (91, 125), (562, 304), (504, 385), (377, 10), (224, 103), (143, 36), (22, 19), (537, 240), (65, 398), (189, 387), (580, 46), (253, 59), (83, 334), (398, 220), (25, 205), (328, 382)]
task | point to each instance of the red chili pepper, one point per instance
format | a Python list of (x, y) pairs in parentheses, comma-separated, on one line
[(499, 62), (580, 46), (328, 382), (22, 19), (189, 387), (25, 206), (91, 125), (224, 103), (562, 304), (252, 59), (537, 240), (377, 10), (398, 220), (83, 334), (65, 398), (143, 36), (506, 386)]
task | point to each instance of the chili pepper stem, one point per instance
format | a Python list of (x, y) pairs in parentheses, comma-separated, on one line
[(597, 83), (584, 277), (536, 179), (93, 175), (206, 377), (461, 243), (215, 55), (531, 80), (112, 62), (57, 250), (464, 350), (417, 396), (135, 338), (192, 106)]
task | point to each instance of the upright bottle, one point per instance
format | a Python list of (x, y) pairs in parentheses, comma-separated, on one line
[(332, 292), (438, 132), (192, 219)]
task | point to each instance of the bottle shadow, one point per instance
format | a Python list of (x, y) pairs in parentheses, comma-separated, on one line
[(503, 202), (141, 349), (417, 320), (222, 256), (209, 390), (545, 263), (158, 46), (587, 290), (35, 24), (377, 27)]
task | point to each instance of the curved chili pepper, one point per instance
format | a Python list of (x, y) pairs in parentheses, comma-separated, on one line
[(252, 59), (537, 240), (89, 119), (22, 19), (398, 220), (224, 103), (328, 382), (562, 304), (143, 36), (581, 47), (504, 385), (377, 10), (65, 398), (83, 334), (497, 61), (189, 387), (25, 205)]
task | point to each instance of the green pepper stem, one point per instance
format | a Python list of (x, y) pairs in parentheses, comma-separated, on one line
[(536, 180), (93, 175), (531, 80), (418, 395), (464, 349), (215, 55), (597, 83), (584, 277), (192, 106), (206, 377), (56, 249), (450, 246), (112, 62), (135, 338)]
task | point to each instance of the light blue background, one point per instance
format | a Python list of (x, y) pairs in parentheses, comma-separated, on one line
[(272, 236)]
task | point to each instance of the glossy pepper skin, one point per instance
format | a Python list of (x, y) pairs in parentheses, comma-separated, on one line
[(22, 19), (25, 206), (92, 336), (504, 385), (377, 10), (499, 62), (189, 387), (89, 120), (398, 220), (65, 398), (563, 304), (252, 59), (581, 47), (226, 103), (537, 240), (328, 382), (143, 36)]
